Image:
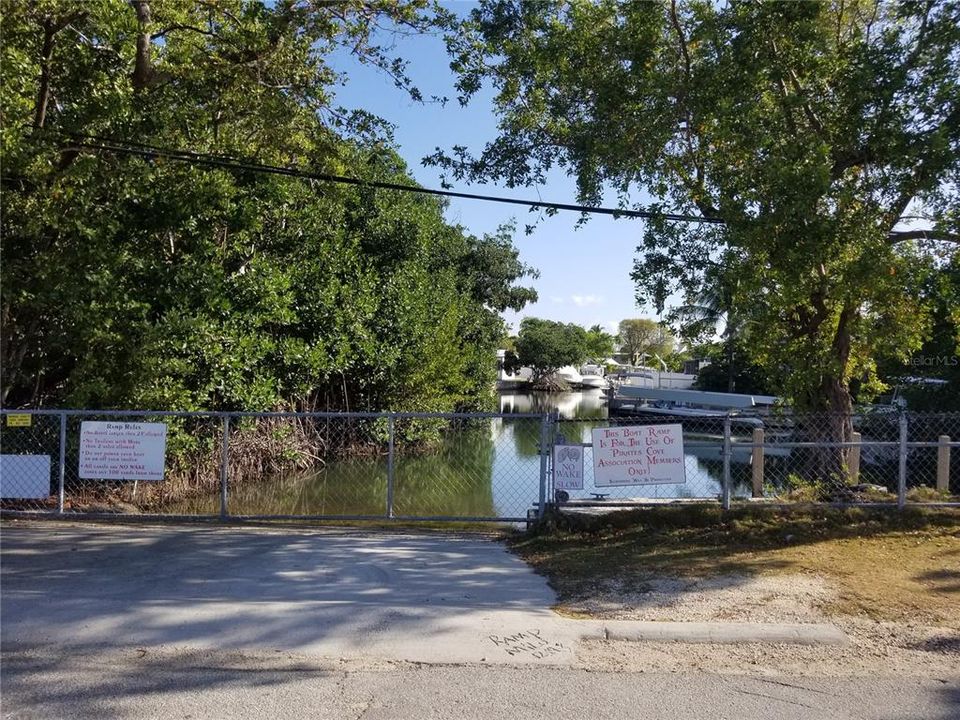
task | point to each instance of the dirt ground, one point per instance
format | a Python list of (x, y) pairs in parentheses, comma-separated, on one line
[(892, 584)]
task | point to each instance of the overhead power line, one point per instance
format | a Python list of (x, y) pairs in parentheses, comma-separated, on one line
[(124, 147)]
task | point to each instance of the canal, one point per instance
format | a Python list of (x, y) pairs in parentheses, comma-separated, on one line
[(481, 468)]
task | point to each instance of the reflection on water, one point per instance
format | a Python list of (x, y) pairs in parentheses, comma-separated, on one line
[(582, 405), (453, 478), (485, 468), (581, 412)]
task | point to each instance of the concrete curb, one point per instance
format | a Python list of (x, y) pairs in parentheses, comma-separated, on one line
[(708, 632)]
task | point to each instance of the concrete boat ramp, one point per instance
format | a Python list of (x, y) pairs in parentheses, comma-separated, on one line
[(423, 597)]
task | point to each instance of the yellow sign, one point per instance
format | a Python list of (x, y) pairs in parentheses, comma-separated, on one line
[(19, 420)]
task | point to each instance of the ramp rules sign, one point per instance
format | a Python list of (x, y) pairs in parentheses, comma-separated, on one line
[(639, 455), (122, 451)]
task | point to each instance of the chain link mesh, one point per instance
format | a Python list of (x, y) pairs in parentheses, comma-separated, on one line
[(856, 458), (471, 466), (933, 457), (29, 474), (467, 467), (308, 466), (794, 457), (191, 468)]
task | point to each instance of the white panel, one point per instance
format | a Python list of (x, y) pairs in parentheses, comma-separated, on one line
[(25, 476)]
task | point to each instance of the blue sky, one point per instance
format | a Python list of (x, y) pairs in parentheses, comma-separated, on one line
[(584, 272)]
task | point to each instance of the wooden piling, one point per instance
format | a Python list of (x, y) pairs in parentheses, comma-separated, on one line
[(943, 463), (853, 459)]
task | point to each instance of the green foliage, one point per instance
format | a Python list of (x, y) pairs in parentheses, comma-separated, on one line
[(546, 345), (675, 360), (930, 378), (130, 282), (600, 344), (642, 338), (814, 130), (731, 373)]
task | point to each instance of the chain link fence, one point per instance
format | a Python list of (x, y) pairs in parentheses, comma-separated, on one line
[(451, 467), (873, 457), (879, 457), (29, 461), (703, 459), (346, 466)]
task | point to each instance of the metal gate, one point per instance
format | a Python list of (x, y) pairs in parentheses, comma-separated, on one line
[(438, 467)]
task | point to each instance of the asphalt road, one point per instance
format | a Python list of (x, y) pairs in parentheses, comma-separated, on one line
[(148, 684)]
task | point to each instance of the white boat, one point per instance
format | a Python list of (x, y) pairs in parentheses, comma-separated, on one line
[(570, 374), (591, 377), (647, 377), (705, 411), (594, 382)]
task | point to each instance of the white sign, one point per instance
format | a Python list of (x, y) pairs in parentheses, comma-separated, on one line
[(639, 455), (567, 467), (25, 476), (122, 451)]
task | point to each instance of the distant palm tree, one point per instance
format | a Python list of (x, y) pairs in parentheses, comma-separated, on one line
[(713, 306)]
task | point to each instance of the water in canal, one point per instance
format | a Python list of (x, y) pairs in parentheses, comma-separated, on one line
[(485, 468)]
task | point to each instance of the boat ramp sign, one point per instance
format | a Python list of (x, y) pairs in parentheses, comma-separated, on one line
[(122, 450), (638, 455), (567, 467)]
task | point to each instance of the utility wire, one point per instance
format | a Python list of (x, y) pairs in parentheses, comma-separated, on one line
[(124, 147)]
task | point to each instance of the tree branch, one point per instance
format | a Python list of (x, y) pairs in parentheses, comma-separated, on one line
[(899, 236), (808, 111), (688, 119), (51, 26), (178, 26)]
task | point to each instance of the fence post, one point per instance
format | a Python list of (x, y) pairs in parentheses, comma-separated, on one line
[(943, 463), (756, 462), (63, 464), (390, 457), (544, 451), (224, 465), (902, 484), (727, 451), (853, 458)]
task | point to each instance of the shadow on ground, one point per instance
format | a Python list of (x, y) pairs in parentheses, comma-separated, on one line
[(233, 588), (47, 684)]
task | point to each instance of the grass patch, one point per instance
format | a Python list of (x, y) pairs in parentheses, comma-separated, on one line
[(886, 564)]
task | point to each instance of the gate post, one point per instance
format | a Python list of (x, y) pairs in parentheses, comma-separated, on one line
[(224, 464), (727, 451), (63, 463), (544, 452), (853, 459), (756, 462), (943, 463), (902, 480), (390, 464)]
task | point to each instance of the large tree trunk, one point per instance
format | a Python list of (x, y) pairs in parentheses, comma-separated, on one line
[(829, 417), (143, 69), (13, 352)]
